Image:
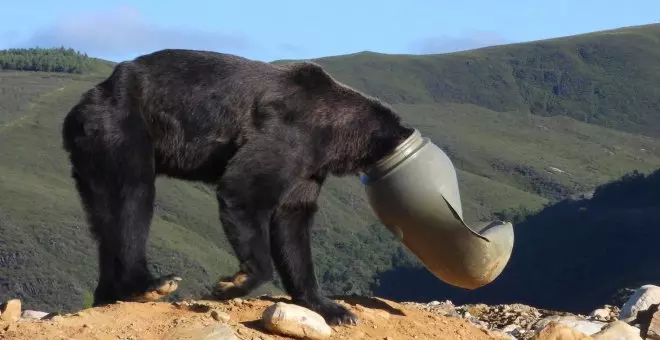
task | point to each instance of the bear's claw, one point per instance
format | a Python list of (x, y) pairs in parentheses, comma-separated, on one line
[(231, 287), (161, 288)]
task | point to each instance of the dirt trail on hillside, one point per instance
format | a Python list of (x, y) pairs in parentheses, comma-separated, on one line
[(379, 319)]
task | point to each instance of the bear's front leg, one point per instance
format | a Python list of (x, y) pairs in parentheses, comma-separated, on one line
[(291, 251)]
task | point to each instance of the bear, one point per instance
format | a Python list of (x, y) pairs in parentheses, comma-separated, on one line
[(265, 136)]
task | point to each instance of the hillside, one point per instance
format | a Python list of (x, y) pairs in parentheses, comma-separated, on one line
[(511, 156), (606, 78), (589, 247)]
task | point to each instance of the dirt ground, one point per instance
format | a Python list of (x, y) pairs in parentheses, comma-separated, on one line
[(379, 319)]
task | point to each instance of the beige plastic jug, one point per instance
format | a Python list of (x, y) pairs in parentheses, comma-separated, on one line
[(414, 192)]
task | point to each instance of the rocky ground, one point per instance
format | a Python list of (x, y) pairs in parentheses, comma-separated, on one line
[(273, 318)]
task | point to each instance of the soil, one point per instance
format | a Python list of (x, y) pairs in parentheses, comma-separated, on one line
[(379, 319)]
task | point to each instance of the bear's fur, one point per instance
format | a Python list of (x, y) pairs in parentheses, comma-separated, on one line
[(266, 136)]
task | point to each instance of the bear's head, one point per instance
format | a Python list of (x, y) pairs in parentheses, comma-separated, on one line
[(353, 130)]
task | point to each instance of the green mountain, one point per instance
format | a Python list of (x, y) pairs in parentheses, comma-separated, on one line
[(526, 125)]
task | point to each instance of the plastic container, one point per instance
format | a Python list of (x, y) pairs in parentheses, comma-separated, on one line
[(414, 192)]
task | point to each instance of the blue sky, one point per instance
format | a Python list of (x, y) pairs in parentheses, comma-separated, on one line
[(268, 30)]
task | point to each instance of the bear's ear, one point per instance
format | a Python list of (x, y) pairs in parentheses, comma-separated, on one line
[(309, 75)]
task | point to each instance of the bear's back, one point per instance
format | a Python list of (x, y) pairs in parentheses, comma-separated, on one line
[(198, 63)]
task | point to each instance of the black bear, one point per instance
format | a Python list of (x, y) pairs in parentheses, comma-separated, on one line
[(265, 135)]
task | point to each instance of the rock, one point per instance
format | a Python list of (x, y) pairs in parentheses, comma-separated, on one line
[(600, 314), (296, 321), (513, 330), (33, 314), (640, 300), (649, 322), (618, 330), (558, 331), (476, 310), (654, 328), (220, 316), (11, 310), (212, 332), (574, 322)]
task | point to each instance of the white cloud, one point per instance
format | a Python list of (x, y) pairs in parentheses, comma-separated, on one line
[(124, 31), (464, 41)]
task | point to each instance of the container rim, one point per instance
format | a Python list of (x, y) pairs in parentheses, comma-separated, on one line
[(400, 153)]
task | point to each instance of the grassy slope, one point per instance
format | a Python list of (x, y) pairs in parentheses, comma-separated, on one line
[(476, 105)]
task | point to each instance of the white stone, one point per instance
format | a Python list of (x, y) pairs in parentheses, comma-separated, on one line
[(296, 321), (641, 300), (618, 330), (33, 314), (600, 314), (579, 324), (509, 328)]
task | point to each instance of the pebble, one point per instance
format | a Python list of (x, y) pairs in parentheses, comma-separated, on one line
[(220, 316), (510, 328), (600, 314), (295, 321), (33, 314)]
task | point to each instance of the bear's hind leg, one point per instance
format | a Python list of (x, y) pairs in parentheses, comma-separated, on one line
[(250, 245), (291, 251), (116, 183), (247, 195)]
